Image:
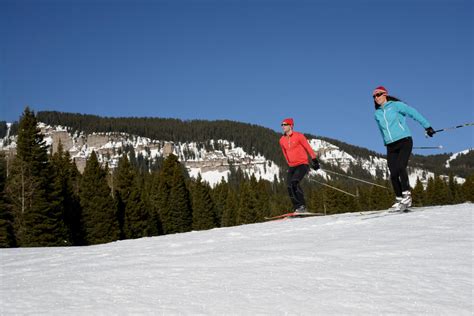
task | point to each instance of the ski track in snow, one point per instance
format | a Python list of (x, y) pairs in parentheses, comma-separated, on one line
[(404, 264)]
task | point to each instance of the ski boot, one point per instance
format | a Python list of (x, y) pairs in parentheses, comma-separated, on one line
[(406, 200), (301, 209), (397, 206), (405, 203)]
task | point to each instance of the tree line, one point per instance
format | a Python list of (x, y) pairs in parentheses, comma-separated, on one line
[(45, 201)]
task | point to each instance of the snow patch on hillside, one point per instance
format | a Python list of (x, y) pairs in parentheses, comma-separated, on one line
[(456, 155)]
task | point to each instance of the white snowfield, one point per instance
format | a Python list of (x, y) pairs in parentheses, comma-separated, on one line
[(418, 263)]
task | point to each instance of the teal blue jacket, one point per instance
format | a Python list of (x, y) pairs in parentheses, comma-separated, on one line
[(391, 119)]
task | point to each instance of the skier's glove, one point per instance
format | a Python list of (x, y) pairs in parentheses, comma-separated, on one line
[(315, 164), (430, 131)]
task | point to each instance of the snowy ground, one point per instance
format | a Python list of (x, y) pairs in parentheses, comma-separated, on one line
[(415, 263)]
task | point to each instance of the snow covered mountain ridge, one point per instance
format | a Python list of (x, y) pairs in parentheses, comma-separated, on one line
[(212, 159)]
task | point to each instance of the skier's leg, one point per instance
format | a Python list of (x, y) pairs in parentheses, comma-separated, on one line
[(392, 160), (405, 152), (403, 157), (300, 172), (291, 191)]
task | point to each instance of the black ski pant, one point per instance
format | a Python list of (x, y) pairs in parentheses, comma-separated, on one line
[(294, 177), (398, 154)]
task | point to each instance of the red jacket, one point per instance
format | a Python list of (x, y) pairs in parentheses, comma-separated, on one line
[(296, 149)]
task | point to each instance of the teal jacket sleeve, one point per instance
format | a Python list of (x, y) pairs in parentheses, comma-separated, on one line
[(380, 128), (414, 114)]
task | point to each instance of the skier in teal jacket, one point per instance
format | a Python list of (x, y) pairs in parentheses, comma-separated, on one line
[(390, 115)]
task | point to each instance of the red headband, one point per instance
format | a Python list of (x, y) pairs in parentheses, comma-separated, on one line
[(380, 89)]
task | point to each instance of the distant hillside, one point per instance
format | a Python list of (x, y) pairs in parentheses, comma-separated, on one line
[(252, 138), (4, 129)]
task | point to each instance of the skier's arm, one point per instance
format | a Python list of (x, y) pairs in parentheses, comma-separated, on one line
[(314, 160), (414, 114), (380, 128), (307, 147), (284, 152)]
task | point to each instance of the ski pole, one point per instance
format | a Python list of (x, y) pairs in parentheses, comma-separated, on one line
[(454, 127), (334, 188), (428, 147), (450, 128), (344, 175)]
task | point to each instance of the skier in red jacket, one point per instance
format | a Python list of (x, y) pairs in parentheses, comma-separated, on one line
[(296, 149)]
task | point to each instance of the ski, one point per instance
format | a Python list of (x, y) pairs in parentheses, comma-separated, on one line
[(294, 215), (390, 210), (406, 210)]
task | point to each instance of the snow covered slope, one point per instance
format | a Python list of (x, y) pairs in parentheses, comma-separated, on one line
[(397, 264)]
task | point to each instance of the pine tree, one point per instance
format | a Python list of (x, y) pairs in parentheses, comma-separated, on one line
[(262, 189), (179, 216), (74, 215), (429, 193), (123, 180), (330, 200), (203, 207), (247, 213), (315, 200), (229, 215), (219, 196), (152, 204), (439, 194), (280, 201), (146, 180), (138, 221), (65, 172), (38, 219), (345, 202), (158, 195), (99, 220), (468, 189), (162, 182), (418, 194), (7, 236), (338, 202), (380, 198), (454, 190), (366, 197)]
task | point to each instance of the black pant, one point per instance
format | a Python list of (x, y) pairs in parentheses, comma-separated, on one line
[(294, 176), (398, 154)]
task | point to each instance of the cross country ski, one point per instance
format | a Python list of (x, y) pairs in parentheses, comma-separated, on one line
[(294, 215), (390, 211)]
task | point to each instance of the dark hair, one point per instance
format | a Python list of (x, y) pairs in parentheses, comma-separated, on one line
[(389, 98)]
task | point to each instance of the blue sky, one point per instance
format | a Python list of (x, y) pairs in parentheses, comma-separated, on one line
[(251, 61)]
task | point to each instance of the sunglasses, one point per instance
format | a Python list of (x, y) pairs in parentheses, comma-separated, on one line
[(284, 124), (378, 94)]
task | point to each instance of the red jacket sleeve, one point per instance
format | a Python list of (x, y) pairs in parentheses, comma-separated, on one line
[(307, 147), (284, 151)]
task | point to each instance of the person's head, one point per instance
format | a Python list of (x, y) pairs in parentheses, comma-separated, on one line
[(287, 125), (381, 96)]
